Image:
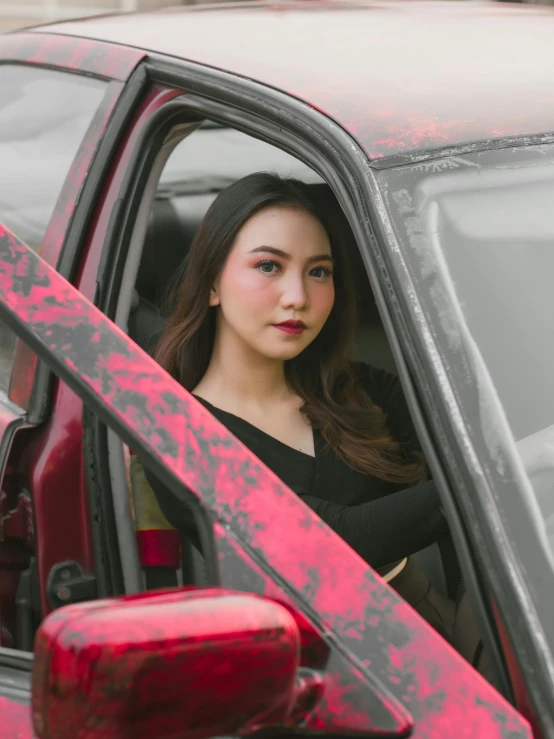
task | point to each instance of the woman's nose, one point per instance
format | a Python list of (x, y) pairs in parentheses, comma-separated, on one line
[(294, 293)]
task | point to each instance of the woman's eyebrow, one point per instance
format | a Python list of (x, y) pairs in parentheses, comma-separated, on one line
[(271, 250), (321, 258), (284, 255)]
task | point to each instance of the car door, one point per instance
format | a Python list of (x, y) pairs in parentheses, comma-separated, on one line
[(57, 97), (383, 669)]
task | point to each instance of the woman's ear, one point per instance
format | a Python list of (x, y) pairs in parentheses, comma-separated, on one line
[(214, 296)]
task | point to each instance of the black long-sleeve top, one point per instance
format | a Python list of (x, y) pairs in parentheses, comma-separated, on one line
[(381, 521)]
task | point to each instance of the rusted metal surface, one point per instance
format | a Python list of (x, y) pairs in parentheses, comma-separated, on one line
[(398, 76), (280, 542), (348, 705), (72, 54)]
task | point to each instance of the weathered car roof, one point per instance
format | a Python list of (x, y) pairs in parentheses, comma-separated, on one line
[(400, 76)]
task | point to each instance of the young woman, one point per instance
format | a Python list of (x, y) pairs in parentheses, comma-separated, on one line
[(259, 332)]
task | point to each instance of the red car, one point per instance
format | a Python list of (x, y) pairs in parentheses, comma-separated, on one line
[(429, 128)]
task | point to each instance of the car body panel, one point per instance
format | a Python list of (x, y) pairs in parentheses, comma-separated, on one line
[(265, 537), (72, 54), (399, 76)]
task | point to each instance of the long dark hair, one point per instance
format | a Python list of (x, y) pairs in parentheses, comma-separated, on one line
[(322, 375)]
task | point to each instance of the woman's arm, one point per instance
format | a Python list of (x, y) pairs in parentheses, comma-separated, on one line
[(381, 531), (386, 529)]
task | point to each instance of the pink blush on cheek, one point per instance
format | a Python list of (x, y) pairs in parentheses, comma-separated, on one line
[(322, 298), (240, 282)]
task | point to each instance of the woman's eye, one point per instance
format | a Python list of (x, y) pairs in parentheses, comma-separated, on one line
[(268, 267), (320, 273)]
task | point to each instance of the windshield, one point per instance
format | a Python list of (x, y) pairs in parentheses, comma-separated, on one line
[(478, 232)]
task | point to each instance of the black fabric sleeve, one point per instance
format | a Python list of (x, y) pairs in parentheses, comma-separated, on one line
[(381, 531), (389, 528)]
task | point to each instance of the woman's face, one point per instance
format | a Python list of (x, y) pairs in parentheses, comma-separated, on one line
[(276, 289)]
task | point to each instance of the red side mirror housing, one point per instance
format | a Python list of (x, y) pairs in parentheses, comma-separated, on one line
[(169, 664)]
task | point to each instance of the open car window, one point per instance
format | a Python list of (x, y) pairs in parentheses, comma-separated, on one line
[(216, 156)]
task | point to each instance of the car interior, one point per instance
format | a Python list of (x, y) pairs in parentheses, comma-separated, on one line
[(197, 169)]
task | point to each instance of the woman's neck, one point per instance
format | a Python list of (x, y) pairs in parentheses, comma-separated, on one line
[(239, 377)]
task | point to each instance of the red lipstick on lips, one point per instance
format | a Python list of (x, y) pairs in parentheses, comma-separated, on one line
[(293, 328)]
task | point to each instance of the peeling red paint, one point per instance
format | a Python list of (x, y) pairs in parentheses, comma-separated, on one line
[(351, 701), (280, 539), (74, 54), (164, 664)]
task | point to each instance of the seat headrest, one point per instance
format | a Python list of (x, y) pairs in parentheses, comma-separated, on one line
[(165, 247)]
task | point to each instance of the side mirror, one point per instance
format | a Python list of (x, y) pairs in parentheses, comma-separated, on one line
[(179, 664)]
